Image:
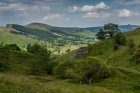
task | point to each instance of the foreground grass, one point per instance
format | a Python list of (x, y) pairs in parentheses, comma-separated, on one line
[(13, 83), (123, 80)]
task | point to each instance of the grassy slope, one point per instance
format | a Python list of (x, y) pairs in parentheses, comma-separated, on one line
[(9, 38), (126, 74)]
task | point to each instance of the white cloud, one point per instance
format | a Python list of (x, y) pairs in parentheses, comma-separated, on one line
[(127, 13), (52, 16), (132, 2), (88, 8), (73, 9), (102, 5), (59, 17), (91, 15), (124, 13)]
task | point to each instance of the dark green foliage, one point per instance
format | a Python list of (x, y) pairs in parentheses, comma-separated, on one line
[(91, 69), (88, 70), (131, 43), (101, 34), (4, 54), (111, 28), (4, 58), (4, 67), (120, 39), (12, 47), (34, 49), (116, 48), (22, 55), (62, 67), (41, 58)]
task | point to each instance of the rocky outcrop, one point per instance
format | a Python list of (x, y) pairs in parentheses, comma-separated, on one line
[(80, 52), (9, 25)]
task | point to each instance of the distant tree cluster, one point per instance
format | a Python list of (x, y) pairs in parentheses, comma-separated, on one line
[(109, 29)]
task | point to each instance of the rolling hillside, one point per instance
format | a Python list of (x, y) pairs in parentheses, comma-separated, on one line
[(56, 39), (7, 36), (126, 72)]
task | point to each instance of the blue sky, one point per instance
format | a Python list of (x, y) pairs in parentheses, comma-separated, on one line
[(70, 13)]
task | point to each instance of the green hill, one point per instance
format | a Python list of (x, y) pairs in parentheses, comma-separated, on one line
[(125, 71), (7, 36), (55, 38)]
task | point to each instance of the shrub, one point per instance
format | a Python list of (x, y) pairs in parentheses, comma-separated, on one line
[(90, 70), (120, 39), (62, 67)]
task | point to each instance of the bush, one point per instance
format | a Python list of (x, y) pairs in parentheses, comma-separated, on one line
[(90, 70), (120, 39), (62, 67)]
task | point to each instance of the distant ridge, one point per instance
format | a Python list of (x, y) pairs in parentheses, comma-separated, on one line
[(123, 28)]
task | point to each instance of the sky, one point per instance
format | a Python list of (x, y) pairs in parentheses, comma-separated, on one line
[(70, 13)]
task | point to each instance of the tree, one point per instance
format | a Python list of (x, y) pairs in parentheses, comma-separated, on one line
[(101, 34), (42, 59), (111, 28)]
